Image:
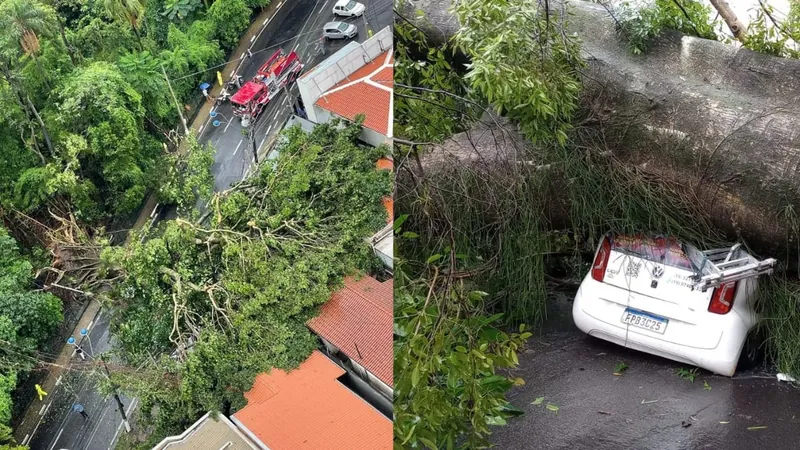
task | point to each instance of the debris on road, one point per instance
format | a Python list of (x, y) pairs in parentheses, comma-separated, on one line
[(785, 377), (621, 367), (724, 422), (553, 408), (686, 424), (538, 401), (645, 402), (607, 413), (706, 386), (760, 427)]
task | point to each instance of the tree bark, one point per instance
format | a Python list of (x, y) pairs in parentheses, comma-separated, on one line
[(717, 118), (70, 50), (730, 18), (44, 127)]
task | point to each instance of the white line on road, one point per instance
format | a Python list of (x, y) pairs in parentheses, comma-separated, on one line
[(56, 441), (48, 408), (41, 410), (25, 441), (90, 325), (58, 381), (268, 129), (280, 4), (237, 147), (119, 428), (201, 129), (226, 126), (252, 39)]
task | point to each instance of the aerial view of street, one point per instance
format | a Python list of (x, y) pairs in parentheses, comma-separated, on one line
[(82, 393)]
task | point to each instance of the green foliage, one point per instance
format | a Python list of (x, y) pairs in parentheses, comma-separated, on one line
[(187, 177), (97, 101), (777, 39), (8, 382), (243, 287), (180, 9), (523, 63), (229, 19), (22, 21), (34, 315), (143, 72), (194, 50), (421, 115), (258, 3), (447, 355), (640, 25)]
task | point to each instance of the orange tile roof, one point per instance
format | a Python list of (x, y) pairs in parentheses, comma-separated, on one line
[(366, 91), (385, 164), (361, 315), (308, 408), (388, 203)]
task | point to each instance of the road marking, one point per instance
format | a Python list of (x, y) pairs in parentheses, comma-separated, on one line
[(41, 410), (268, 129), (119, 428), (242, 57), (48, 408), (237, 147), (56, 441), (280, 4), (90, 325), (201, 128), (226, 126), (25, 441), (58, 381), (252, 39)]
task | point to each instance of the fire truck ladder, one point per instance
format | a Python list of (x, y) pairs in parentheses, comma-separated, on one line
[(724, 265)]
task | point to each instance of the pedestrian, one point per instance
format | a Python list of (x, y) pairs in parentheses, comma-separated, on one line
[(79, 408), (41, 392), (79, 351), (249, 54), (205, 93)]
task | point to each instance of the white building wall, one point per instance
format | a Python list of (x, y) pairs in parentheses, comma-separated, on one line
[(362, 372)]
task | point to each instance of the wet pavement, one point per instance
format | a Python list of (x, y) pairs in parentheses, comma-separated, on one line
[(648, 407), (58, 426), (297, 25)]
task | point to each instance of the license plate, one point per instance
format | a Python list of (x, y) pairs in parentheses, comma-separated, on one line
[(644, 320)]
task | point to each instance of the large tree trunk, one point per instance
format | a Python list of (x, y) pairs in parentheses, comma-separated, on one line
[(719, 118), (730, 18), (41, 124)]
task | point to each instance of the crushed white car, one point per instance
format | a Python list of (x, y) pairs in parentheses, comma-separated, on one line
[(664, 297)]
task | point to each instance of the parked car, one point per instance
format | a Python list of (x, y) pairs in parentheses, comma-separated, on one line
[(641, 292), (339, 30), (348, 8)]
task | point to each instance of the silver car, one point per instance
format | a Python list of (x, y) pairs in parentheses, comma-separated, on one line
[(339, 30)]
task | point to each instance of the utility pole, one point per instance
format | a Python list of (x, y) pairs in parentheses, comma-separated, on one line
[(253, 141), (116, 396), (180, 113)]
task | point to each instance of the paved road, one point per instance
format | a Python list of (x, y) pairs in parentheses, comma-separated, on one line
[(648, 407), (297, 25), (61, 428)]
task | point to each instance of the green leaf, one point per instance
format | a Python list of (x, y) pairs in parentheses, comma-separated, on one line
[(538, 401), (433, 259), (430, 444), (552, 407), (495, 420), (410, 235), (415, 376), (399, 222)]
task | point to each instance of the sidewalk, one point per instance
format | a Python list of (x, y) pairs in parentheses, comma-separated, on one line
[(32, 416), (50, 385), (203, 116)]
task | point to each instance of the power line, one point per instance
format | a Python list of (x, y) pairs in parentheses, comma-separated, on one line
[(244, 56)]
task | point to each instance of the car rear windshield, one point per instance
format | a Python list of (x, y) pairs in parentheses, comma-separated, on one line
[(660, 249)]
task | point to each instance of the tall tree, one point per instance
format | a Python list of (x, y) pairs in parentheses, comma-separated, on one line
[(128, 11), (22, 22)]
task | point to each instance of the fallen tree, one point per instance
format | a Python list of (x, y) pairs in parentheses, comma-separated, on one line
[(717, 120)]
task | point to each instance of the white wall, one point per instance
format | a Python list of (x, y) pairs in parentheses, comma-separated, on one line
[(362, 372)]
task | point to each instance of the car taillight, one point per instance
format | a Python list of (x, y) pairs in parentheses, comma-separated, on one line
[(722, 298), (601, 260)]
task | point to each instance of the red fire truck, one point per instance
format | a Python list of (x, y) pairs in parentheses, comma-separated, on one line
[(279, 71)]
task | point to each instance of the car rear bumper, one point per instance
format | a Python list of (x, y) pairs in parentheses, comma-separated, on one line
[(714, 347)]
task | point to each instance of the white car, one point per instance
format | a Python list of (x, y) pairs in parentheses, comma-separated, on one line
[(339, 30), (348, 8), (640, 293)]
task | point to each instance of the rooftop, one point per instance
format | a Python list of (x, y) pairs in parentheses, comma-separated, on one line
[(366, 91), (308, 408), (358, 319), (208, 434)]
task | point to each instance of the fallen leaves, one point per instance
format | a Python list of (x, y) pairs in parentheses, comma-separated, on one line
[(760, 427), (538, 401), (550, 406)]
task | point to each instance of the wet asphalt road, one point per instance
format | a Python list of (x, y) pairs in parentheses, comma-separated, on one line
[(59, 426), (648, 407), (297, 25)]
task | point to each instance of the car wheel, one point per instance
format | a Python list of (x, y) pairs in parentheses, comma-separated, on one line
[(753, 350)]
